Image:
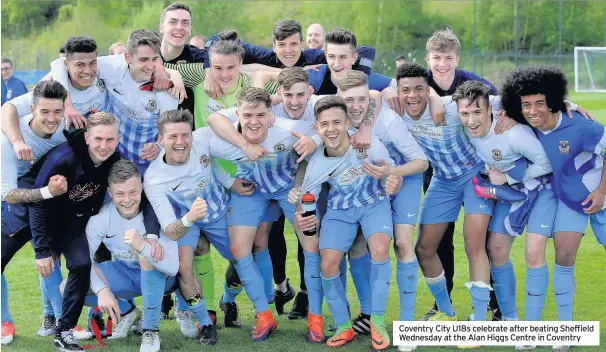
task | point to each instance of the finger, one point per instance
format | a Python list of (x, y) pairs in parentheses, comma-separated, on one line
[(296, 134), (112, 313), (78, 123), (568, 112), (302, 157), (590, 116)]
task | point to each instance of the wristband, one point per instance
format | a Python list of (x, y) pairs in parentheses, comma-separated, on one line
[(186, 222), (151, 236), (46, 194)]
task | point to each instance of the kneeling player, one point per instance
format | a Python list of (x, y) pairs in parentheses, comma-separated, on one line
[(140, 266), (575, 148), (355, 199)]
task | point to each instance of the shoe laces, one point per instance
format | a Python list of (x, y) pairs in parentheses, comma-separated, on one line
[(48, 322), (68, 337), (149, 337)]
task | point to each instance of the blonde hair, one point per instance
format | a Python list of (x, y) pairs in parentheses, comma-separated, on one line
[(443, 40), (101, 119), (255, 96), (292, 75), (352, 79)]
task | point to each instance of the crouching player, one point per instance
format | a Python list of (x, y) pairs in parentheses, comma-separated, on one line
[(501, 153), (355, 199), (141, 267), (575, 148)]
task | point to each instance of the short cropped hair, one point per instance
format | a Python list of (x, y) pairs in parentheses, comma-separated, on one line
[(122, 171), (329, 102), (80, 44), (6, 60), (341, 36), (101, 119), (48, 90), (175, 116), (142, 37), (472, 91), (352, 79), (172, 7), (286, 28), (62, 49), (255, 96), (443, 40), (400, 58), (539, 79), (114, 46), (411, 69), (292, 75), (229, 44)]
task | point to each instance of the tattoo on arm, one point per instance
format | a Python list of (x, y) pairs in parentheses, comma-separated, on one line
[(23, 195), (370, 113), (178, 230)]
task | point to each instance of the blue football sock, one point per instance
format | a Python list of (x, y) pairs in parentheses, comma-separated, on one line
[(407, 274), (564, 288), (51, 286), (89, 313), (263, 261), (537, 280), (480, 295), (437, 286), (313, 281), (6, 314), (47, 307), (380, 276), (152, 290), (505, 289), (360, 273), (343, 271), (230, 293), (253, 282), (180, 303), (335, 298), (200, 312)]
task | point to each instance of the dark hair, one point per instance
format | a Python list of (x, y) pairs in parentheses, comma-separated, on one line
[(48, 90), (175, 116), (80, 44), (400, 57), (472, 91), (254, 96), (286, 28), (539, 79), (229, 44), (62, 49), (329, 102), (143, 37), (411, 69), (172, 7), (122, 171), (341, 36), (7, 60)]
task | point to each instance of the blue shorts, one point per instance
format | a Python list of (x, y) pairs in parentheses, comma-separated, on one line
[(273, 212), (339, 227), (216, 233), (251, 210), (125, 280), (444, 198), (406, 204), (541, 219), (569, 220)]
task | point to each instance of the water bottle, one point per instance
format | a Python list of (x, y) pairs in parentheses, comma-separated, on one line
[(309, 209)]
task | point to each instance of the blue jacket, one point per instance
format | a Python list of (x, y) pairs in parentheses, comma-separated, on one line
[(376, 81), (14, 88)]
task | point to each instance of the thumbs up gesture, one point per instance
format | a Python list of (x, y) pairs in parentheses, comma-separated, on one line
[(304, 146), (378, 172)]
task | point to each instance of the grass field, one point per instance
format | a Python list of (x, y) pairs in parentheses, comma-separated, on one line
[(590, 304)]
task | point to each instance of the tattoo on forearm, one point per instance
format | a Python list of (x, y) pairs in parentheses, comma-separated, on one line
[(370, 113), (179, 230), (22, 195)]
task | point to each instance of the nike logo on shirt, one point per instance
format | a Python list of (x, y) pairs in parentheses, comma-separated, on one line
[(108, 236), (177, 186)]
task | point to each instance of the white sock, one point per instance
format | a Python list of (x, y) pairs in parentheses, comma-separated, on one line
[(282, 287)]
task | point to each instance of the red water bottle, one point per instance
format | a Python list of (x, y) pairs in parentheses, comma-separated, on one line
[(309, 209)]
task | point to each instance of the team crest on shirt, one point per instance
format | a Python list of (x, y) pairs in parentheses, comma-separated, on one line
[(229, 211), (564, 147), (152, 104), (280, 147), (204, 160), (497, 155), (101, 85), (362, 153)]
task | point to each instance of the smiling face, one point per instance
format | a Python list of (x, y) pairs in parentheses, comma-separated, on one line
[(254, 121), (295, 99), (47, 115), (176, 27), (82, 68), (127, 196), (143, 63), (315, 37), (475, 116), (413, 92), (357, 100), (442, 64), (102, 141), (226, 69), (537, 113), (340, 59), (331, 125), (176, 139), (289, 49)]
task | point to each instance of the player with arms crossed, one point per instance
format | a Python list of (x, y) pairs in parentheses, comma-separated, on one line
[(143, 266), (355, 199), (575, 148)]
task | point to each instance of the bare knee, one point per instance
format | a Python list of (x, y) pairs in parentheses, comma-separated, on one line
[(203, 245)]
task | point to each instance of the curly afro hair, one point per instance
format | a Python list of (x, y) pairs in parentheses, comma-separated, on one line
[(540, 79)]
